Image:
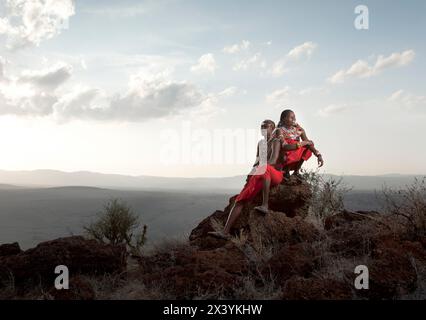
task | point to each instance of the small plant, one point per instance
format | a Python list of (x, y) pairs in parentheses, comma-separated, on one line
[(117, 224), (409, 204)]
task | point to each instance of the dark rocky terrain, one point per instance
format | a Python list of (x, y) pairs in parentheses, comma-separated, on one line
[(287, 254)]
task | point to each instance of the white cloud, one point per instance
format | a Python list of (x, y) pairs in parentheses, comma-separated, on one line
[(279, 95), (238, 47), (279, 68), (408, 100), (253, 61), (206, 64), (332, 109), (119, 11), (48, 93), (287, 94), (47, 79), (31, 22), (228, 92), (32, 92), (303, 51), (361, 68)]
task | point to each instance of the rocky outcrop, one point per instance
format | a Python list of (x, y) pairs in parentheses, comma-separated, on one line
[(283, 225), (80, 255), (9, 249)]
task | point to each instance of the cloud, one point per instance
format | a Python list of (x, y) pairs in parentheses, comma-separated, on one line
[(332, 110), (408, 100), (48, 93), (280, 95), (286, 95), (31, 22), (238, 47), (206, 64), (228, 92), (303, 51), (119, 11), (253, 61), (279, 68), (361, 68), (47, 79), (32, 92)]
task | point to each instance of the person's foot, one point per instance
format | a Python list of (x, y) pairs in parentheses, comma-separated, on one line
[(297, 175), (219, 235), (262, 209), (286, 175)]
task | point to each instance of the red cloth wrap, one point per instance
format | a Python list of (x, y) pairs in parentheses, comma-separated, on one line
[(293, 157), (255, 182)]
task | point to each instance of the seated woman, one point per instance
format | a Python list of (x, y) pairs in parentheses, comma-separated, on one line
[(262, 177), (296, 146)]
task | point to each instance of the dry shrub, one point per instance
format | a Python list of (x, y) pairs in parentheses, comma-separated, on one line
[(410, 205), (327, 196)]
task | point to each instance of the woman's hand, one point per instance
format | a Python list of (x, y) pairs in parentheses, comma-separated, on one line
[(306, 143)]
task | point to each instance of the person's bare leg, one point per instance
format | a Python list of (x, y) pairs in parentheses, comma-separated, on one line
[(232, 217), (265, 192), (296, 171)]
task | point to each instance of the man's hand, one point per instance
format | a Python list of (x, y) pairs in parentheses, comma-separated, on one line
[(320, 161)]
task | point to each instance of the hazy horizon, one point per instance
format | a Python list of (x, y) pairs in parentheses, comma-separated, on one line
[(197, 177)]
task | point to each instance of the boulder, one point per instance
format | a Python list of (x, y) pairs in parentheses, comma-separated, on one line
[(9, 249), (298, 259), (193, 272), (284, 224), (80, 255), (391, 272)]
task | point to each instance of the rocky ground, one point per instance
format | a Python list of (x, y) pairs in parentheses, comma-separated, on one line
[(287, 254)]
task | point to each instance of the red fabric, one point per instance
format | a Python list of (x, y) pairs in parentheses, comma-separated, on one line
[(255, 183), (293, 157)]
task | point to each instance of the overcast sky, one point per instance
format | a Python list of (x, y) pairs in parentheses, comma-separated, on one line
[(145, 87)]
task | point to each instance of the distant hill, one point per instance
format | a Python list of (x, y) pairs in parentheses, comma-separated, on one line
[(53, 178), (9, 187)]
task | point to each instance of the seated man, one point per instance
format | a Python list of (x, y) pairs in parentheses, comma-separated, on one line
[(262, 177)]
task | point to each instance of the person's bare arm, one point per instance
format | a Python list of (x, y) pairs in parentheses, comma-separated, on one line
[(275, 153), (257, 156), (256, 163), (312, 148)]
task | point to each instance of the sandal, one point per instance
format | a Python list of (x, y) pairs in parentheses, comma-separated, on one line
[(219, 235), (261, 209)]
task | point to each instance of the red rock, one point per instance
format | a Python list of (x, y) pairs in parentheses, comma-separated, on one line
[(9, 249), (81, 256), (193, 272), (79, 289), (391, 272), (299, 288), (299, 259)]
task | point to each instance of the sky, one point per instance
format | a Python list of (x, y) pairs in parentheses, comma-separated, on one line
[(179, 88)]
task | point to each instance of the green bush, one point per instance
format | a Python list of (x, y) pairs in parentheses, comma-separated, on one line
[(118, 224)]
